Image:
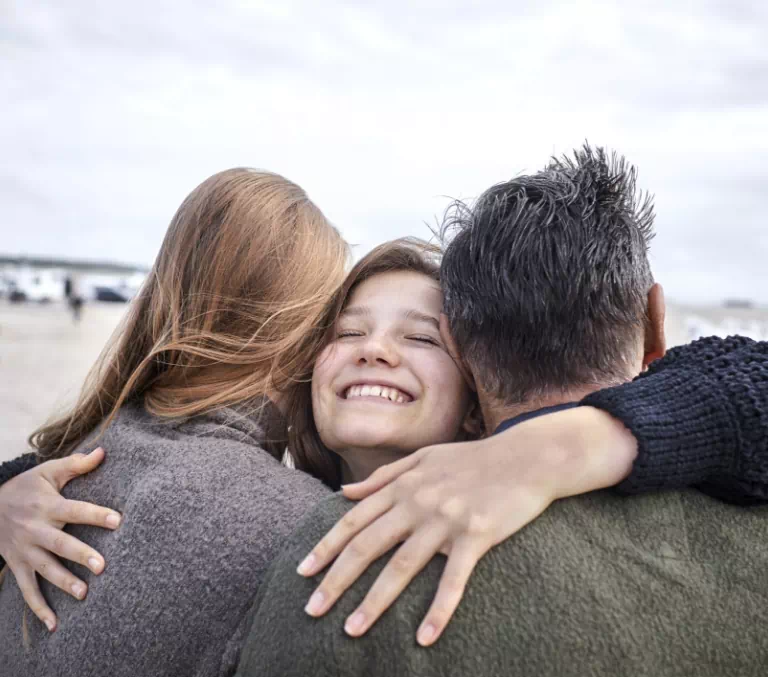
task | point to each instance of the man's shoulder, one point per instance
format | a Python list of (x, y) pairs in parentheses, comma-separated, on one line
[(318, 520), (597, 580)]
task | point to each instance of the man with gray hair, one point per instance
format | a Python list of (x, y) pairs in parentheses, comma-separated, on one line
[(550, 300)]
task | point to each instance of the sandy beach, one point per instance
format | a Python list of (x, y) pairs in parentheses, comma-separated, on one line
[(44, 358)]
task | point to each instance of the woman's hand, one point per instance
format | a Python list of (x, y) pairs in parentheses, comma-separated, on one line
[(32, 515), (462, 499)]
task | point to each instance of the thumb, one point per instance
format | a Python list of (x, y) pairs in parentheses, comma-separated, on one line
[(60, 471)]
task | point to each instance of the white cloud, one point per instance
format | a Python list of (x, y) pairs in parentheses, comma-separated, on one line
[(113, 112)]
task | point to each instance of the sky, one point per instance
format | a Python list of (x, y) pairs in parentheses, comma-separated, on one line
[(110, 113)]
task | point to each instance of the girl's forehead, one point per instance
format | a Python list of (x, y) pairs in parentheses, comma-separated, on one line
[(402, 287)]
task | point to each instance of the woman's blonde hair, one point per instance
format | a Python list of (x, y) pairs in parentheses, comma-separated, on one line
[(231, 311), (408, 254)]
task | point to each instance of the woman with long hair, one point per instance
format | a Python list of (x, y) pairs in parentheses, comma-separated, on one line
[(186, 399)]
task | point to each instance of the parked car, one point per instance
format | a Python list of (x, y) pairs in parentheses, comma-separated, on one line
[(110, 294), (41, 286)]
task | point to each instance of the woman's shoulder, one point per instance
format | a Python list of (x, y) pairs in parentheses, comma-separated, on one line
[(219, 459)]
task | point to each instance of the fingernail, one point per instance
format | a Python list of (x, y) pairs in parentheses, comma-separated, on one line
[(79, 590), (307, 565), (50, 624), (97, 449), (315, 604), (96, 565), (426, 634), (355, 623), (113, 520)]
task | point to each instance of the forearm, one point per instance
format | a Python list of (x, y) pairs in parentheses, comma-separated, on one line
[(701, 420)]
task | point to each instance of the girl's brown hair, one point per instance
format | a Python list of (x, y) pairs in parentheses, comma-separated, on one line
[(231, 311), (306, 448)]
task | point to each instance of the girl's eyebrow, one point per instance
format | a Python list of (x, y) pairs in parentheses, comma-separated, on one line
[(355, 311), (417, 315), (422, 317)]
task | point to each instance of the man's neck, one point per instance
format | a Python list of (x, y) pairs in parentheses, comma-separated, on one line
[(495, 413)]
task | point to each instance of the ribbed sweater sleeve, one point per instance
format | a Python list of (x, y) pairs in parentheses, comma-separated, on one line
[(16, 466), (10, 469), (700, 416)]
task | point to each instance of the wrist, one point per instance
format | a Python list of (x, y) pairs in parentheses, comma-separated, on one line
[(599, 451)]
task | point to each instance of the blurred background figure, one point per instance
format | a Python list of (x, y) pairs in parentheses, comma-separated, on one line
[(111, 113), (74, 294)]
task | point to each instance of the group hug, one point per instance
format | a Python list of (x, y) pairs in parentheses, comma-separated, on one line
[(468, 456)]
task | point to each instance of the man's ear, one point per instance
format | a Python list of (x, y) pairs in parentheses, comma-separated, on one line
[(655, 339), (453, 351)]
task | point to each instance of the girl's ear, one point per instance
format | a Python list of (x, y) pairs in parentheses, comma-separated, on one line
[(472, 427), (453, 351)]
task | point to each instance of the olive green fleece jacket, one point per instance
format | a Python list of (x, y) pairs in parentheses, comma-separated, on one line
[(659, 585)]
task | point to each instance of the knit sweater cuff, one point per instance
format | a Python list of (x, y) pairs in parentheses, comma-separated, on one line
[(685, 428), (10, 469)]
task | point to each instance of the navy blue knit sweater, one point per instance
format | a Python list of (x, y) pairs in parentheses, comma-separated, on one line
[(700, 416)]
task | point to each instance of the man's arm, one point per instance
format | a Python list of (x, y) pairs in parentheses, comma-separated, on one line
[(700, 416)]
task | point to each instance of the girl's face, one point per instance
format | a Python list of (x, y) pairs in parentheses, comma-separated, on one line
[(386, 386)]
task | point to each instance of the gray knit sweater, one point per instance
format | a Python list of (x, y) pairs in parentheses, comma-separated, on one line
[(660, 585), (206, 510)]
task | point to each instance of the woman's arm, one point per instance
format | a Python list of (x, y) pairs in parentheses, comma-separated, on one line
[(32, 515), (700, 417)]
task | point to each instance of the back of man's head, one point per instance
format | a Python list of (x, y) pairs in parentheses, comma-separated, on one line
[(547, 277)]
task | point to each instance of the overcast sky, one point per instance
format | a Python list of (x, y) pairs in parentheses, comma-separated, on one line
[(112, 112)]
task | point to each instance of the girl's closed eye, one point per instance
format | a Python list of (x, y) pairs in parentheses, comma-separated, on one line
[(345, 333), (425, 339)]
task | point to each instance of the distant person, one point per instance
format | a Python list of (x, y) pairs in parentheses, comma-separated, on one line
[(550, 303), (74, 294)]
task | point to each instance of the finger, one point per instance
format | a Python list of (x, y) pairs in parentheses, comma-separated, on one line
[(409, 560), (461, 562), (30, 590), (358, 518), (68, 547), (61, 470), (53, 571), (381, 478), (367, 546), (80, 512)]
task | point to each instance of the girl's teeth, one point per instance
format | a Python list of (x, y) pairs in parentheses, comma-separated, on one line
[(391, 394)]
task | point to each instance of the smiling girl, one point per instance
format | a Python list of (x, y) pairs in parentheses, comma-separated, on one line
[(385, 385)]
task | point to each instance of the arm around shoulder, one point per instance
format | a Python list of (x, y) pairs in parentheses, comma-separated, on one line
[(700, 416)]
